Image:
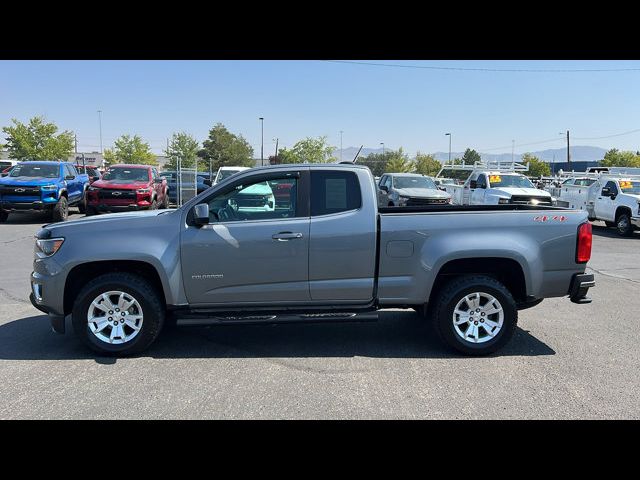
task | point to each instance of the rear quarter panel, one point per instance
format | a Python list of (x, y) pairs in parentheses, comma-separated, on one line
[(414, 247)]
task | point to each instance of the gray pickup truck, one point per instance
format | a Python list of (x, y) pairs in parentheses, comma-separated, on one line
[(325, 252)]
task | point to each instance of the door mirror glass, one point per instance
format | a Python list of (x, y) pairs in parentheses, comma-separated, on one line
[(201, 214), (384, 188), (473, 184), (606, 192), (69, 177)]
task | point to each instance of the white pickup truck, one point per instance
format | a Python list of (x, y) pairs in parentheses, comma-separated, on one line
[(495, 185), (613, 198)]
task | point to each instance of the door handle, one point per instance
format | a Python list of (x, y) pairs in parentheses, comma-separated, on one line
[(284, 236)]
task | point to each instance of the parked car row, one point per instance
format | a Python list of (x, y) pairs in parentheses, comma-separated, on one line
[(409, 190)]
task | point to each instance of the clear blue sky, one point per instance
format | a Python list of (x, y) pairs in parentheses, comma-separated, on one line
[(412, 108)]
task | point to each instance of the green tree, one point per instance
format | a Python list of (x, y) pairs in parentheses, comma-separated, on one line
[(616, 158), (184, 147), (309, 150), (132, 150), (399, 163), (226, 149), (377, 162), (37, 141), (470, 157), (426, 164), (537, 168)]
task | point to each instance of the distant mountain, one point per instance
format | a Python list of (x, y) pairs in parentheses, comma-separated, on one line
[(579, 153)]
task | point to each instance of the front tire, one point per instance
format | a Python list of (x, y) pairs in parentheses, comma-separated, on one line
[(623, 225), (91, 211), (475, 314), (82, 206), (610, 224), (118, 314), (61, 211), (3, 216)]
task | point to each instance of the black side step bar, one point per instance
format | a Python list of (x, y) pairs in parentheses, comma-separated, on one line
[(193, 319)]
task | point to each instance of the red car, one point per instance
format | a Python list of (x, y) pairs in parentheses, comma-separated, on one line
[(128, 187)]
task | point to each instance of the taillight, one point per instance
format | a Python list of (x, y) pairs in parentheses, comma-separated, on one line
[(583, 250)]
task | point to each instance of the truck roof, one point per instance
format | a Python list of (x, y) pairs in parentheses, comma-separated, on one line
[(43, 162)]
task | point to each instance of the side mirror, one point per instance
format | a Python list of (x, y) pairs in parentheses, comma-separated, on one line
[(384, 188), (473, 184), (94, 179), (69, 177), (606, 192), (206, 181), (201, 214)]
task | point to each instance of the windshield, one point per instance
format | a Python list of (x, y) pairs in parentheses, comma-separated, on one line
[(510, 181), (414, 182), (26, 170), (628, 186), (226, 174), (129, 174)]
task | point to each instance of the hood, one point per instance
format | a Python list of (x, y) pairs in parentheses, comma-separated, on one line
[(120, 184), (422, 193), (531, 192), (109, 217), (28, 181)]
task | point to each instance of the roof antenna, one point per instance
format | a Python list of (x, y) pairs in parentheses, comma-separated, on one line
[(354, 158)]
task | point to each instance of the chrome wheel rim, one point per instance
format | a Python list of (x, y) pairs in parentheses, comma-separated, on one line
[(623, 223), (115, 317), (478, 317)]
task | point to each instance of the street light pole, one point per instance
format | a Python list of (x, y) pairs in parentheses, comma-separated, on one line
[(568, 155), (449, 145), (262, 141), (340, 146), (100, 125), (382, 143), (513, 149)]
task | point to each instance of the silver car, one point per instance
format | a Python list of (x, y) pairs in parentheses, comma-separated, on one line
[(409, 190)]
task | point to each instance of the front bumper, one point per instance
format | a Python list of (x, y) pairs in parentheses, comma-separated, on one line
[(102, 207), (26, 206), (580, 285), (57, 321), (635, 221)]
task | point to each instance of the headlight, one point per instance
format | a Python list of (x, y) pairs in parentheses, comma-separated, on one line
[(502, 201), (48, 247), (49, 187), (143, 190)]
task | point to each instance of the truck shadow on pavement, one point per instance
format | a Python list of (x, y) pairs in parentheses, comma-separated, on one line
[(397, 334), (603, 231)]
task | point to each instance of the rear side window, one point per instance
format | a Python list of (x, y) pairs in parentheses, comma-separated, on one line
[(334, 192)]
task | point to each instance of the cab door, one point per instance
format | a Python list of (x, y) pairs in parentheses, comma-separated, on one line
[(605, 205), (252, 252), (479, 193)]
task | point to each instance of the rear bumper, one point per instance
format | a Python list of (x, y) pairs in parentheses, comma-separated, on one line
[(580, 285)]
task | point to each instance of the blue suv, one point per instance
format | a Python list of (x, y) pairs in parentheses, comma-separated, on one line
[(43, 186)]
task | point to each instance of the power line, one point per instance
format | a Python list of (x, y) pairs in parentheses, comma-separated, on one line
[(485, 69), (608, 136)]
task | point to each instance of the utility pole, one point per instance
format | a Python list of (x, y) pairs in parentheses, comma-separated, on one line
[(513, 148), (449, 146), (276, 157), (382, 143), (340, 146), (262, 141), (100, 125), (568, 155)]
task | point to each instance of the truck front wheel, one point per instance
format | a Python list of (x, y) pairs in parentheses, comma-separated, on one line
[(118, 314), (82, 206), (475, 314), (61, 211), (623, 225), (3, 216)]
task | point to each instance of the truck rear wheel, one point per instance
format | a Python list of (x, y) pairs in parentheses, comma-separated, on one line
[(82, 206), (118, 314), (610, 224), (475, 314), (61, 211)]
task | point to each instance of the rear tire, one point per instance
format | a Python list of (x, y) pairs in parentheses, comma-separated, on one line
[(610, 224), (474, 333), (623, 224), (148, 311), (91, 211), (61, 211)]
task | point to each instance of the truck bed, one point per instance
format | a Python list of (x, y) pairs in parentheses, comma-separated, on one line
[(467, 208)]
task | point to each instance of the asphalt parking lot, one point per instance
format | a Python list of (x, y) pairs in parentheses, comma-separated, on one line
[(566, 361)]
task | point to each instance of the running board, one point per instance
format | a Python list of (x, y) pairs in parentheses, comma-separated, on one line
[(200, 320)]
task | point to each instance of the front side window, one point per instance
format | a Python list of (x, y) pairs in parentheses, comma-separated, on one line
[(482, 182), (257, 199), (334, 192)]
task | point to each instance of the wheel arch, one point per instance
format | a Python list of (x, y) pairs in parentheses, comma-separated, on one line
[(81, 274)]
